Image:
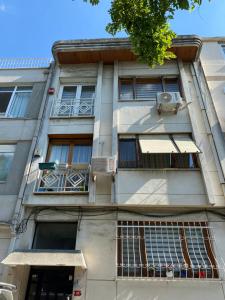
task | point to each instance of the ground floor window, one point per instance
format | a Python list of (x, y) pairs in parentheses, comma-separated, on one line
[(165, 249)]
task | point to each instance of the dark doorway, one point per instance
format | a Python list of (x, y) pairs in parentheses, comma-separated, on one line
[(50, 283)]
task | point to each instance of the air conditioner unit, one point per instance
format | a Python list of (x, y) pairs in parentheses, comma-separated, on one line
[(103, 165), (168, 101)]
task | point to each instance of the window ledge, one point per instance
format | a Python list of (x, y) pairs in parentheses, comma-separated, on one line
[(165, 169), (156, 279), (137, 100), (61, 193), (16, 118), (72, 117), (2, 182)]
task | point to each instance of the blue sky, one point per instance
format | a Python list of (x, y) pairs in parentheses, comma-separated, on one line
[(29, 27)]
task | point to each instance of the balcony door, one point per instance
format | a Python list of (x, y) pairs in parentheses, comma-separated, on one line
[(72, 158)]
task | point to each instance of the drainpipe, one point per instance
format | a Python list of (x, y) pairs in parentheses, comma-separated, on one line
[(215, 137)]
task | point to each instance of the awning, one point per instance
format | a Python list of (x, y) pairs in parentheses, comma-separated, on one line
[(185, 144), (157, 144), (45, 258)]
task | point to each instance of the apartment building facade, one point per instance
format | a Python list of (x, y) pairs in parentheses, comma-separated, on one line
[(123, 190)]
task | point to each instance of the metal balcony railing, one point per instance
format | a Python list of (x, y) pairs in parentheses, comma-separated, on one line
[(24, 63), (63, 179), (73, 107)]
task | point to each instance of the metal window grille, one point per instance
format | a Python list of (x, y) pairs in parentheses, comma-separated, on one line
[(169, 250)]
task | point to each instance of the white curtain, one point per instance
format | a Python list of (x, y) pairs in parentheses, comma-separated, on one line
[(19, 104)]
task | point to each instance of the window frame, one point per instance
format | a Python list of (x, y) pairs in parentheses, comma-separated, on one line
[(78, 90), (146, 272), (71, 142), (10, 103), (134, 79), (53, 222), (174, 158)]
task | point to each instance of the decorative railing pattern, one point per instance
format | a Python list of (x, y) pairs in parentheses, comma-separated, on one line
[(73, 107), (63, 179), (24, 63)]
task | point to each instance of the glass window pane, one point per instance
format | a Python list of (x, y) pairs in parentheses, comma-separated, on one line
[(19, 104), (127, 153), (126, 89), (88, 92), (69, 94), (5, 163), (171, 85), (24, 88), (59, 154), (147, 89), (82, 154), (7, 89), (4, 101), (60, 236)]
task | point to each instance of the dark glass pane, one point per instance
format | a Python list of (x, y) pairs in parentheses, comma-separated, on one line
[(4, 101), (184, 160), (88, 92), (171, 85), (127, 153), (155, 161), (147, 89), (126, 89), (58, 236)]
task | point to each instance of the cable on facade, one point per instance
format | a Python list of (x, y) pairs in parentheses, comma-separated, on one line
[(22, 226)]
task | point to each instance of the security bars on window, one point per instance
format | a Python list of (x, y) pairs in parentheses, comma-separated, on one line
[(173, 250)]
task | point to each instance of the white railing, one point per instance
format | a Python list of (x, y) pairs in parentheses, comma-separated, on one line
[(73, 107), (24, 63), (63, 179)]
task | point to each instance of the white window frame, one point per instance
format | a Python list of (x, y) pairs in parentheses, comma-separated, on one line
[(77, 96), (6, 114)]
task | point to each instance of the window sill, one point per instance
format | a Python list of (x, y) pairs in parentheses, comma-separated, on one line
[(2, 182), (61, 193), (165, 169), (72, 117), (137, 100), (165, 279), (16, 118)]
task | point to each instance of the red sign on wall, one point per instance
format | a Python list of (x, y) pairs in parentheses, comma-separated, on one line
[(77, 293)]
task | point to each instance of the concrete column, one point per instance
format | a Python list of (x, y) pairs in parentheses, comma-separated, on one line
[(96, 134)]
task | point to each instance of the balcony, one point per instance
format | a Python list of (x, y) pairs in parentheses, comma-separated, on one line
[(63, 179), (73, 108)]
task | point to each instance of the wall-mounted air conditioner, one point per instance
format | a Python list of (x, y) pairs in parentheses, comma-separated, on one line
[(103, 165), (168, 102)]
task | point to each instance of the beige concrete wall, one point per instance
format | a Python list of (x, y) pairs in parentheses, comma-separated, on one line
[(23, 76), (213, 63), (97, 240), (149, 187)]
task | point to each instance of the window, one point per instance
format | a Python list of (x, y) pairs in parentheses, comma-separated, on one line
[(71, 152), (14, 101), (146, 88), (158, 152), (223, 48), (75, 100), (165, 249), (6, 158), (58, 236), (69, 160)]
